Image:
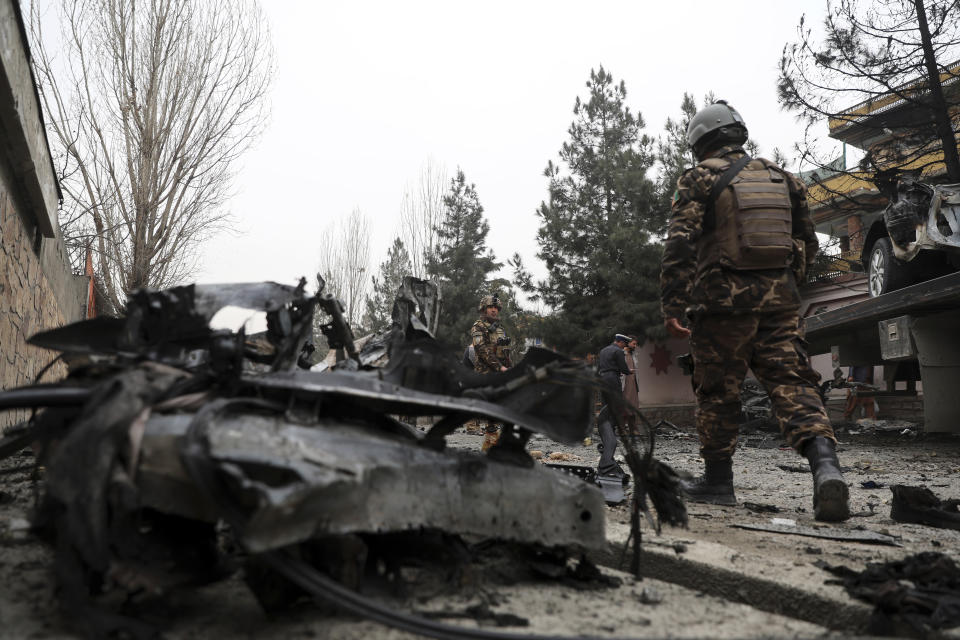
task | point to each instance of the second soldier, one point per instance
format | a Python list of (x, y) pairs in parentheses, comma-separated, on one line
[(492, 348)]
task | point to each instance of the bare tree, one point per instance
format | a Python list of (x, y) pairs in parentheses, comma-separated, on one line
[(886, 69), (148, 106), (345, 262), (420, 214)]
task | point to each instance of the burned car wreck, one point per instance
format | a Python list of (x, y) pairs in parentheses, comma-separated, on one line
[(923, 216), (169, 437), (916, 237)]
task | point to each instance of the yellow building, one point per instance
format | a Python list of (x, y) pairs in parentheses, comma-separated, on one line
[(849, 206)]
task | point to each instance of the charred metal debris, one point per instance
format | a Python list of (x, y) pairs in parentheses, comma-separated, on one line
[(920, 505), (916, 597), (174, 452)]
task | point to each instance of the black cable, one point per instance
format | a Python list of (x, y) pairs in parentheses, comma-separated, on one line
[(46, 368), (332, 591), (53, 395)]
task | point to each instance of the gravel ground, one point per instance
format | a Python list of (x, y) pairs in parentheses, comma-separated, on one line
[(766, 472), (648, 608)]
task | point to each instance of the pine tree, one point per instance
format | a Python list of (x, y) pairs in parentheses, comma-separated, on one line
[(379, 303), (598, 225), (674, 154), (461, 261)]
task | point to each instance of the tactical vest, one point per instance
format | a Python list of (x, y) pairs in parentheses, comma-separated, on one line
[(753, 219), (498, 337), (494, 334)]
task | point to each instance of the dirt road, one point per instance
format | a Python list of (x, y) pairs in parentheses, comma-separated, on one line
[(718, 564)]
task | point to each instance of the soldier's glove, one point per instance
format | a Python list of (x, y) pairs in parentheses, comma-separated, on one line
[(503, 342)]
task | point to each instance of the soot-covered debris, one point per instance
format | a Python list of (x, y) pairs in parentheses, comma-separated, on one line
[(175, 453), (914, 597), (921, 506)]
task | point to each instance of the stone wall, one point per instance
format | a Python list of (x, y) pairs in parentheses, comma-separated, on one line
[(27, 305), (37, 288)]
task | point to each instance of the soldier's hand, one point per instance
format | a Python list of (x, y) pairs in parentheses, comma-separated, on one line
[(675, 329), (502, 368)]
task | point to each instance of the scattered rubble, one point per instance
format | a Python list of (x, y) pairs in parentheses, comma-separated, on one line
[(898, 427), (913, 597), (757, 408)]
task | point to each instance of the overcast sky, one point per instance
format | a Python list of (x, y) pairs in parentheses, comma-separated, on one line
[(365, 92)]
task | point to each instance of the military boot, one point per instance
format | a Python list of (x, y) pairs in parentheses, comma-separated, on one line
[(715, 486), (830, 493)]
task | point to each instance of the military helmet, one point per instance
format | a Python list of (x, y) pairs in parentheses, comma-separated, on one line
[(718, 123), (489, 301)]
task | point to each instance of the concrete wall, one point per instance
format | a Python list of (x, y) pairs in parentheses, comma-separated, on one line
[(659, 377), (37, 289), (664, 391)]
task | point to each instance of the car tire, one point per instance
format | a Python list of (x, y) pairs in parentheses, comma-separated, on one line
[(885, 273)]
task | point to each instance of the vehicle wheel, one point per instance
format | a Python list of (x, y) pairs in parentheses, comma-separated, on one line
[(884, 272)]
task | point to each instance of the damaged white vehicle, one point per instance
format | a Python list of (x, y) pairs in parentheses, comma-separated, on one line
[(916, 237)]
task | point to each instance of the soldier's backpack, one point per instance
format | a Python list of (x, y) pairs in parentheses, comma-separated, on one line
[(748, 225)]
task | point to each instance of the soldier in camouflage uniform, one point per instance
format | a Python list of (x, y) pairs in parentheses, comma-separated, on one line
[(739, 241), (492, 348)]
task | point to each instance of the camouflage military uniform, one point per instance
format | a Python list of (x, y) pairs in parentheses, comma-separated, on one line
[(489, 344), (742, 318)]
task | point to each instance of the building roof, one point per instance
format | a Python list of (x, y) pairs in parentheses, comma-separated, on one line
[(880, 119), (880, 115), (841, 194)]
